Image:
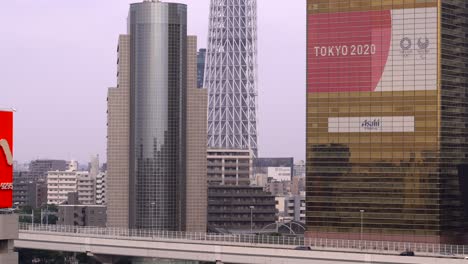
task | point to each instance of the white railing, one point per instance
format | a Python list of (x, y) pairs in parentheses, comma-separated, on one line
[(381, 247)]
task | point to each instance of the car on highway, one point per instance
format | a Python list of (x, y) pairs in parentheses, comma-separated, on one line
[(447, 253), (303, 248), (407, 253)]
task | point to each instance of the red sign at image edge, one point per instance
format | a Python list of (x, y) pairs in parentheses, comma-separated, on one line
[(6, 159)]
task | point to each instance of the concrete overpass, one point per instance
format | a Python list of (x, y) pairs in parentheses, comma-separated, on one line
[(243, 249)]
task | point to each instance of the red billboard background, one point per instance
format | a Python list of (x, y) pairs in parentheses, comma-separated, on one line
[(347, 51), (6, 168)]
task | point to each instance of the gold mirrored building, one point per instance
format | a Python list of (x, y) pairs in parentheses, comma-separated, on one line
[(387, 115)]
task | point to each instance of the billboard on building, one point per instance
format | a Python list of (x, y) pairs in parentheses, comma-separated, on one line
[(367, 54), (6, 159), (371, 124), (393, 50)]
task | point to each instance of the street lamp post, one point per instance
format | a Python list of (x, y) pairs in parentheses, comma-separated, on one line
[(153, 204), (251, 218), (45, 213), (362, 223)]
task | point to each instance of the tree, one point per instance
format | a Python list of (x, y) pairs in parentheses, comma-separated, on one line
[(40, 256), (50, 214), (50, 211)]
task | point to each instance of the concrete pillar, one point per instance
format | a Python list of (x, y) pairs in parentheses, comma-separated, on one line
[(8, 233)]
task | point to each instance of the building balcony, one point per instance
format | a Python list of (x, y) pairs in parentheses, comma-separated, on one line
[(249, 203), (241, 211), (237, 219), (239, 195)]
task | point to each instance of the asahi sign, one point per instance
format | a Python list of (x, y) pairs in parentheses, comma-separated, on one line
[(6, 159), (371, 124)]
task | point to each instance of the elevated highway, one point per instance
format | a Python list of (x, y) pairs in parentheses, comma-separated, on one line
[(242, 249)]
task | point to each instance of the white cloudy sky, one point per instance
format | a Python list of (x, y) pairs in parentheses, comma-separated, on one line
[(58, 57)]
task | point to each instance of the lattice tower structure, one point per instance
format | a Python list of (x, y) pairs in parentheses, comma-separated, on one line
[(231, 75)]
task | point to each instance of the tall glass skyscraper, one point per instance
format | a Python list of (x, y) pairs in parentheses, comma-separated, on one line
[(158, 44), (231, 75), (387, 145), (157, 125)]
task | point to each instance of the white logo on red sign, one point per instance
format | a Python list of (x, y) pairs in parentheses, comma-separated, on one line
[(7, 151)]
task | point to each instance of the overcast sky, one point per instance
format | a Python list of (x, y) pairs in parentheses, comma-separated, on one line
[(57, 59)]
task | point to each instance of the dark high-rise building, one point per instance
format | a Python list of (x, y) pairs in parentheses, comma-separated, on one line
[(201, 57), (387, 112), (157, 125)]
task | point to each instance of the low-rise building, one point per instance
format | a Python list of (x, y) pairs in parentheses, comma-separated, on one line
[(101, 187), (280, 209), (59, 184), (38, 168), (28, 191), (229, 167), (86, 188), (294, 208), (90, 186), (260, 180), (24, 190), (299, 169), (41, 192), (279, 188), (82, 215), (298, 185), (279, 174), (277, 169), (240, 208)]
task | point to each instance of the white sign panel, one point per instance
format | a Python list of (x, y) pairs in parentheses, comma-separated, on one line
[(371, 124), (279, 173), (412, 61)]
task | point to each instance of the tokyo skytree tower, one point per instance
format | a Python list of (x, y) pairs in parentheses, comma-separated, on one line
[(231, 75)]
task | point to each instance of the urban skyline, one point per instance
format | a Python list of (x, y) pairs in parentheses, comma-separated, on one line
[(385, 171), (80, 84)]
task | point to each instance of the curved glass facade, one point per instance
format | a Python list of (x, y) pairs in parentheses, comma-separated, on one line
[(158, 51), (386, 119)]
